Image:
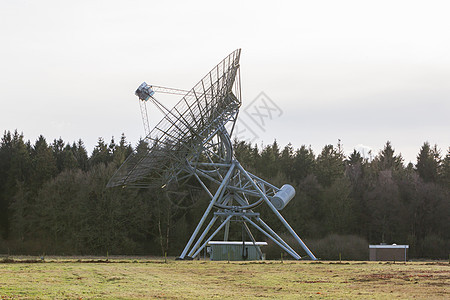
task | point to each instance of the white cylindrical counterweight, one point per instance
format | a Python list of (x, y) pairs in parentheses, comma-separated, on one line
[(283, 196)]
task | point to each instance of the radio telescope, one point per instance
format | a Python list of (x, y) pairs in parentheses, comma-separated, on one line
[(191, 141)]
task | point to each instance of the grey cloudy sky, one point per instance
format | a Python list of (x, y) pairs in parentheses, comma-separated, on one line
[(363, 72)]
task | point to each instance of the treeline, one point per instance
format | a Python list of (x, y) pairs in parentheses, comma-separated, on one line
[(53, 198)]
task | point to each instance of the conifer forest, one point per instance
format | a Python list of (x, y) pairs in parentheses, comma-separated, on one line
[(54, 200)]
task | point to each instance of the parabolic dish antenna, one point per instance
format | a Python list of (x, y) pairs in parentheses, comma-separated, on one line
[(191, 141)]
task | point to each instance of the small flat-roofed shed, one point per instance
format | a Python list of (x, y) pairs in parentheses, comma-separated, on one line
[(392, 252), (226, 250)]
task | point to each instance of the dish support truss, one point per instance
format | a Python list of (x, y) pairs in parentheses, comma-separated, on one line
[(237, 195), (211, 103), (191, 141)]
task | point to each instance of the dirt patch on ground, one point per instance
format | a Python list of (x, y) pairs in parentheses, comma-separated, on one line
[(24, 261)]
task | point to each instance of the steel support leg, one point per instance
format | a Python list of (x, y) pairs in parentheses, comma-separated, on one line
[(249, 233), (277, 213), (293, 254), (208, 210), (205, 232), (212, 236), (274, 234)]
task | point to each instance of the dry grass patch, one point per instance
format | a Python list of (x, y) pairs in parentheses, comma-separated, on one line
[(144, 278)]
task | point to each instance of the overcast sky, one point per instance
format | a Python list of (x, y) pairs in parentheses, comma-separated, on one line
[(363, 72)]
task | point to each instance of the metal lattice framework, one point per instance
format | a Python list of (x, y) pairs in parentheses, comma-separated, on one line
[(198, 115), (192, 141)]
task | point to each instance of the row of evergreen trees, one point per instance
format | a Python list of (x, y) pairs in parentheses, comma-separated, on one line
[(53, 198)]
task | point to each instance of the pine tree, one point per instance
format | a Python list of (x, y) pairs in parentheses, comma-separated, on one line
[(286, 161), (355, 171), (80, 155), (246, 154), (269, 160), (386, 160), (15, 168), (43, 163), (355, 158), (445, 170), (64, 156), (58, 150), (5, 162), (142, 147), (101, 153), (303, 163), (329, 165), (121, 151), (428, 163)]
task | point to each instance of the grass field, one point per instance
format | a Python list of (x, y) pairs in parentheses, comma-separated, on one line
[(128, 278)]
